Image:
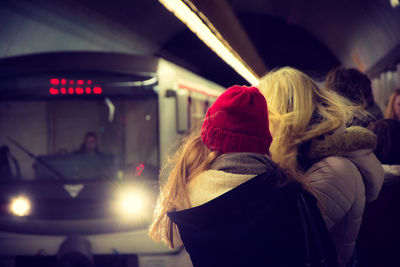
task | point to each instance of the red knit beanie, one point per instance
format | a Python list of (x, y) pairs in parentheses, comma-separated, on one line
[(238, 122)]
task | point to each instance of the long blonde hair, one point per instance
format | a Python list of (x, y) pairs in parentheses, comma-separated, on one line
[(389, 113), (191, 159), (299, 111)]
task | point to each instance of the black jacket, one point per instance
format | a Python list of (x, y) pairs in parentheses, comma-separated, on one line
[(254, 224)]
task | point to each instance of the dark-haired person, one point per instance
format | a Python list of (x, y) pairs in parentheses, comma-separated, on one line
[(89, 145), (393, 108), (355, 86)]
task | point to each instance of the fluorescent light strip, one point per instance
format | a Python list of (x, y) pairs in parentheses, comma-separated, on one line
[(196, 25)]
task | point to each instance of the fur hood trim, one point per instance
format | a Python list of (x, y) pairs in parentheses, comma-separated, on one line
[(341, 142)]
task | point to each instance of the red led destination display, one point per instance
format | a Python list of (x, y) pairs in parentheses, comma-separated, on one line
[(70, 87)]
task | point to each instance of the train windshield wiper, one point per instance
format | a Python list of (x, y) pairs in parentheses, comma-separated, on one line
[(40, 161)]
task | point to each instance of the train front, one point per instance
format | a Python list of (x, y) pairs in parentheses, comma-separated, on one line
[(79, 160)]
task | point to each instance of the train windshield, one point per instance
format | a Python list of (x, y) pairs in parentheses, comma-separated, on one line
[(77, 131)]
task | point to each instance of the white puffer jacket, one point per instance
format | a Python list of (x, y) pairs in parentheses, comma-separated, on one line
[(344, 176)]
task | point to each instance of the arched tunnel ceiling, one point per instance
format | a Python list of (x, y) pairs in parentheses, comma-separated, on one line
[(312, 35), (358, 33)]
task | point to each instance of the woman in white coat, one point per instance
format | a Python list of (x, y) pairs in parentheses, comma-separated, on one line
[(311, 142)]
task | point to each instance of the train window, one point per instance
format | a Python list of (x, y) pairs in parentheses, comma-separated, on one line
[(78, 125), (198, 99), (79, 138), (182, 110), (197, 111)]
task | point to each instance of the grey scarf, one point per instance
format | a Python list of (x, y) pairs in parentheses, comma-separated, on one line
[(243, 163)]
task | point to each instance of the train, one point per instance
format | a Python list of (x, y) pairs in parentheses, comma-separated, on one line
[(64, 202)]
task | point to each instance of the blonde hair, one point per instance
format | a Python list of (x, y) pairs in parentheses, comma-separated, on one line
[(389, 113), (299, 111), (191, 159)]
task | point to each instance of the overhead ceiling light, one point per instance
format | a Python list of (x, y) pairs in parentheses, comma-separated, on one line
[(221, 47), (395, 3)]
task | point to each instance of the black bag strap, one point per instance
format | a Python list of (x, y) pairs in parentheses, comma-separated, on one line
[(308, 222)]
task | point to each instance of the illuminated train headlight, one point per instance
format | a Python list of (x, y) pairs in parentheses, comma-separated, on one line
[(131, 202), (20, 206)]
